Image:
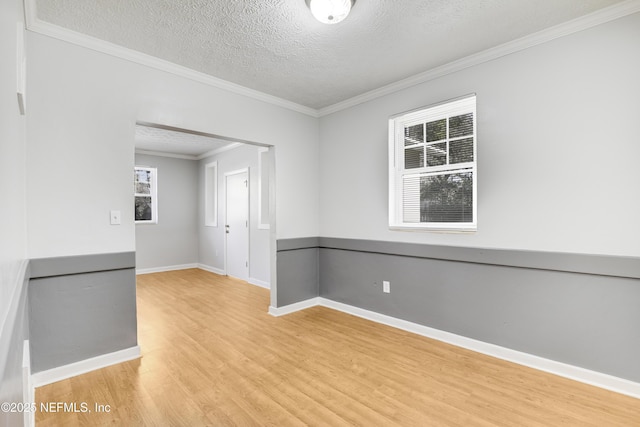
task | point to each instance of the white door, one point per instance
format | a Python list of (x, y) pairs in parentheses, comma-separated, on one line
[(237, 224)]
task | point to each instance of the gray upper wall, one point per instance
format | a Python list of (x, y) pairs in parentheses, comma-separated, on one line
[(94, 124), (13, 240), (174, 239), (13, 244), (557, 149), (332, 172)]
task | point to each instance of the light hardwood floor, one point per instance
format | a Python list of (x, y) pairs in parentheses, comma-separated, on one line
[(211, 355)]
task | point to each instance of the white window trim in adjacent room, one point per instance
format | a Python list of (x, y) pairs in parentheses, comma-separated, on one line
[(398, 174), (153, 194), (211, 194), (263, 188)]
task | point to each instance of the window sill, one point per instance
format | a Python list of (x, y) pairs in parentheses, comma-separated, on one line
[(434, 229)]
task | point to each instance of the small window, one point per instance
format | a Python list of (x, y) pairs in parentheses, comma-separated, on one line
[(146, 200), (211, 194), (432, 168)]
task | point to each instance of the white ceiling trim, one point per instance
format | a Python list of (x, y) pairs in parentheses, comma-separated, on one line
[(220, 150), (188, 156), (596, 18), (195, 132), (165, 154), (579, 24), (38, 26)]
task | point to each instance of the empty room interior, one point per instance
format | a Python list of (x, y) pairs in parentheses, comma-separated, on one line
[(320, 212)]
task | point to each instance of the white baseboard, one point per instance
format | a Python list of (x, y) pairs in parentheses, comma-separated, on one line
[(167, 268), (82, 367), (212, 269), (260, 283), (292, 308), (608, 382)]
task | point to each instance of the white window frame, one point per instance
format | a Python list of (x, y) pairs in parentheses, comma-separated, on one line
[(211, 194), (397, 172), (153, 194)]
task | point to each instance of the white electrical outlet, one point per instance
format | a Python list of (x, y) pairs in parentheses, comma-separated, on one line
[(386, 287), (115, 217)]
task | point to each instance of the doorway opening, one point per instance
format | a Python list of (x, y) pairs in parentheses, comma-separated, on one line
[(216, 204)]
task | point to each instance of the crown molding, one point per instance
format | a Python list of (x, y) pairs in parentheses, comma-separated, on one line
[(188, 156), (36, 25), (579, 24), (165, 154), (601, 16), (220, 150)]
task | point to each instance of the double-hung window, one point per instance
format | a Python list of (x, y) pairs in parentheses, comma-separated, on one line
[(146, 200), (432, 167)]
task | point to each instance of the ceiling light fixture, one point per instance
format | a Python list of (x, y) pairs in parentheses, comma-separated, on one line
[(330, 11)]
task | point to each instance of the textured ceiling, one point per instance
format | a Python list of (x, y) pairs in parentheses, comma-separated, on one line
[(277, 47), (170, 141)]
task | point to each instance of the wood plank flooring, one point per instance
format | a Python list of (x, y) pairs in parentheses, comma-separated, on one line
[(212, 356)]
